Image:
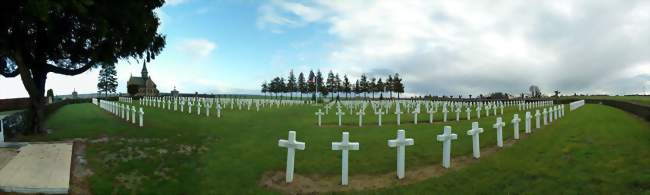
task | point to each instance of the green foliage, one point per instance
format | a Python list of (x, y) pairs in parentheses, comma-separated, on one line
[(334, 84), (71, 37), (107, 82), (132, 89), (498, 95), (50, 93)]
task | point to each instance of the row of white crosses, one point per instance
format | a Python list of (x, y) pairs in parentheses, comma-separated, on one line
[(401, 142), (431, 108), (123, 111), (204, 105), (125, 99)]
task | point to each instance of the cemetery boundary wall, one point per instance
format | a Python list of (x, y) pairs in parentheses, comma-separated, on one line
[(636, 109), (14, 104), (17, 122)]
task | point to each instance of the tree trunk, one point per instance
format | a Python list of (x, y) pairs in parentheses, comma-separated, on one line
[(34, 82)]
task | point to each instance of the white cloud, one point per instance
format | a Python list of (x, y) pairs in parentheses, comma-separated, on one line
[(281, 13), (461, 47), (197, 47), (175, 2)]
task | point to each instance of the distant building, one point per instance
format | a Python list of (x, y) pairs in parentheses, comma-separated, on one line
[(145, 86), (75, 95), (174, 92)]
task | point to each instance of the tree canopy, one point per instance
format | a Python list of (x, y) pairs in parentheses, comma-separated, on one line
[(70, 37), (333, 84)]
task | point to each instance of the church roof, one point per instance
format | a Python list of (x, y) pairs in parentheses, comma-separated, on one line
[(136, 81)]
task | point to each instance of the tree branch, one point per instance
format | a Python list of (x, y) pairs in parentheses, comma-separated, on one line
[(64, 71), (10, 74)]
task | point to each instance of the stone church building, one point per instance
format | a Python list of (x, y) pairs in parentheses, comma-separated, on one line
[(145, 86)]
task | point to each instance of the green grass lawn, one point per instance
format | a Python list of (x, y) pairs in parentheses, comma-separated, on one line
[(642, 100), (595, 149)]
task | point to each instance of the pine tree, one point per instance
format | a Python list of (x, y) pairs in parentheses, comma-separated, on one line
[(380, 87), (357, 88), (107, 79), (302, 86), (363, 85), (331, 84), (398, 87), (291, 84), (372, 86), (319, 83), (311, 86), (337, 84), (389, 86), (347, 87), (265, 88)]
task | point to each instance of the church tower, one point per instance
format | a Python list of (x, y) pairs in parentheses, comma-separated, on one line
[(145, 74)]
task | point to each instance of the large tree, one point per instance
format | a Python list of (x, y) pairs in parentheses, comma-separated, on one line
[(302, 86), (319, 83), (107, 82), (389, 85), (398, 86), (347, 87), (372, 86), (311, 79), (363, 85), (535, 91), (291, 84), (330, 84), (265, 88), (380, 87), (70, 37)]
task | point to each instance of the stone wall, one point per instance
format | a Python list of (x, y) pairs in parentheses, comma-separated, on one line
[(14, 104)]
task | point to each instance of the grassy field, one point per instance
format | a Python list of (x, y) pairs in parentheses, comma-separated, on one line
[(596, 149), (642, 100)]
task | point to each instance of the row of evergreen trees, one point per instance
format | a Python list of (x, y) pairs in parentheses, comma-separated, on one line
[(333, 84)]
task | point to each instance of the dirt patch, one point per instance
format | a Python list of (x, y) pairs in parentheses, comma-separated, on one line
[(79, 172), (6, 154), (322, 184)]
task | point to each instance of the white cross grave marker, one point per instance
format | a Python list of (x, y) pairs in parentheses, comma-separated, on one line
[(319, 114), (141, 117), (344, 146), (340, 113), (379, 113), (515, 123), (398, 112), (361, 113), (133, 114), (400, 143), (444, 113), (499, 126), (446, 138), (474, 132), (537, 119), (291, 144), (527, 124), (198, 108)]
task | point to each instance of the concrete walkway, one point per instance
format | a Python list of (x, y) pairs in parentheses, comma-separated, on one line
[(38, 168)]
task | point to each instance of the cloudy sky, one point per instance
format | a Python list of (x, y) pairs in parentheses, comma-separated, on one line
[(439, 47)]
